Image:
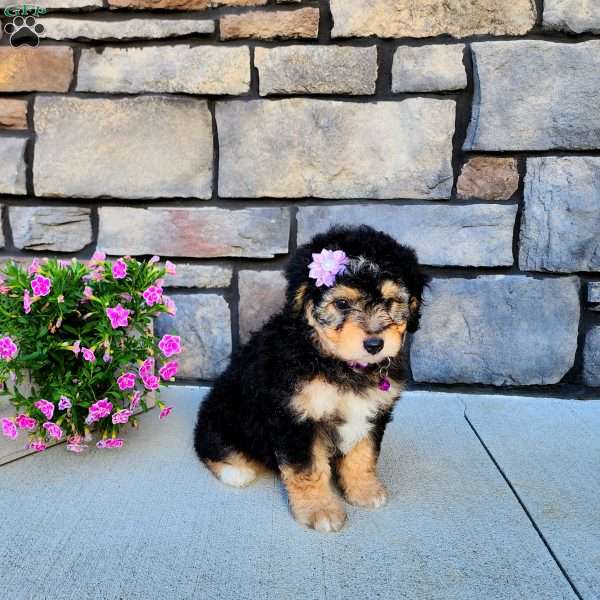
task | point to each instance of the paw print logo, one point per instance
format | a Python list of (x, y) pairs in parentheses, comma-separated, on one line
[(24, 32)]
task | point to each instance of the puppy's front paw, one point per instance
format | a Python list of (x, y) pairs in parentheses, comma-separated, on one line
[(370, 493), (325, 518)]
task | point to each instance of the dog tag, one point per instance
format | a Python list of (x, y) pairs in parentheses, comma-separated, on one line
[(384, 384)]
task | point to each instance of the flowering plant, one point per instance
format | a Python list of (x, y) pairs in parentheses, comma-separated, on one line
[(81, 335)]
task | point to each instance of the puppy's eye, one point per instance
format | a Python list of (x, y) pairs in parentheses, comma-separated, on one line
[(342, 304)]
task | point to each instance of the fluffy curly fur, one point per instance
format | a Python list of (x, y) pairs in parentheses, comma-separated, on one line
[(292, 400)]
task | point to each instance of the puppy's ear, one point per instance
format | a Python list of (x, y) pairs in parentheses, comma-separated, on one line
[(417, 282), (299, 298), (296, 274)]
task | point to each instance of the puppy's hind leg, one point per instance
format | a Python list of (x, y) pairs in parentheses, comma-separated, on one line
[(224, 462), (231, 467), (235, 470)]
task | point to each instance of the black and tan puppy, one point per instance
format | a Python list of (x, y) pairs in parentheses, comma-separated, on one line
[(311, 393)]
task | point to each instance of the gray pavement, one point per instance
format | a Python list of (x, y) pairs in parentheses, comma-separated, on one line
[(550, 451), (149, 522)]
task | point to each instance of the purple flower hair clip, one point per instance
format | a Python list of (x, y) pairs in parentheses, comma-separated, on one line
[(327, 265)]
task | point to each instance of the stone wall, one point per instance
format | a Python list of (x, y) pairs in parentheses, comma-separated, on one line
[(222, 133)]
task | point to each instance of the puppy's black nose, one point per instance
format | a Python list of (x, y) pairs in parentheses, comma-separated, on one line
[(373, 345)]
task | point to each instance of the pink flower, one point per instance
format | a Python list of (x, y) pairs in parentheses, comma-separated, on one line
[(8, 349), (41, 285), (4, 289), (97, 257), (165, 412), (25, 422), (170, 344), (99, 410), (88, 292), (327, 265), (121, 416), (119, 270), (146, 371), (97, 275), (147, 367), (154, 259), (64, 403), (38, 446), (110, 443), (34, 267), (9, 429), (135, 400), (107, 357), (74, 444), (171, 268), (26, 302), (169, 370), (151, 382), (152, 295), (171, 308), (119, 316), (76, 347), (53, 430), (45, 407), (88, 354), (126, 381)]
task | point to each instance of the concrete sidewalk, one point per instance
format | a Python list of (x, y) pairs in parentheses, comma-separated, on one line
[(491, 497)]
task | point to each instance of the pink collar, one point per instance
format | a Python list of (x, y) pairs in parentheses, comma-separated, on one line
[(384, 382)]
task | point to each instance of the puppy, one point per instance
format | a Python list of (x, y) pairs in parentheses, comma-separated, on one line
[(311, 393)]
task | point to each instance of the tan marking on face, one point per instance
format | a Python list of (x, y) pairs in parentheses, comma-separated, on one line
[(348, 340), (396, 296), (324, 336), (394, 290), (343, 291), (393, 338), (346, 343), (341, 334), (391, 289), (398, 311), (357, 471), (400, 327), (236, 469), (312, 499)]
